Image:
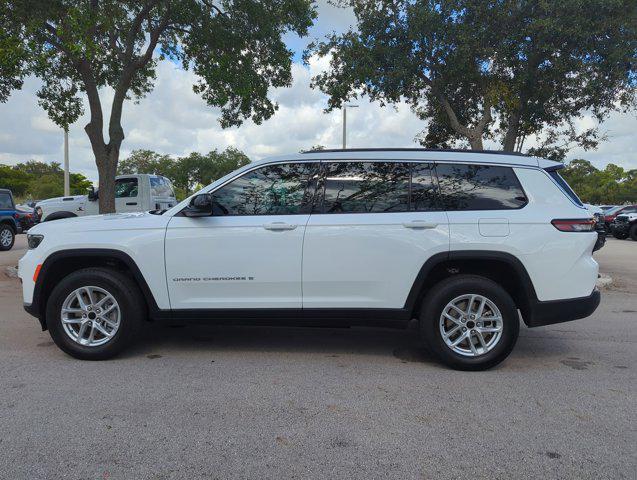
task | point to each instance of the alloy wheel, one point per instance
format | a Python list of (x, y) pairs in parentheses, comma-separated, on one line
[(471, 325)]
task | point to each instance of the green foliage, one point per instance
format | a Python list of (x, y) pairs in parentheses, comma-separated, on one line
[(476, 70), (188, 173), (39, 180), (611, 186)]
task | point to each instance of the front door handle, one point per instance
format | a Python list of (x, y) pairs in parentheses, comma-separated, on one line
[(131, 203), (419, 224), (279, 226)]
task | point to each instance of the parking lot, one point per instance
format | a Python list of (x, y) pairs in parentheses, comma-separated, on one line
[(247, 402)]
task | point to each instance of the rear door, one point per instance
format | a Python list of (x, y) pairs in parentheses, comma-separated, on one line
[(374, 226), (248, 254)]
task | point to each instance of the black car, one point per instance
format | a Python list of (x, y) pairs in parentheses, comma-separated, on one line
[(624, 226)]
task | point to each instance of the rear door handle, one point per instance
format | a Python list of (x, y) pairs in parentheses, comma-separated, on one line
[(279, 226), (131, 203), (419, 224)]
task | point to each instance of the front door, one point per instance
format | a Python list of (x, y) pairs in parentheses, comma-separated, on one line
[(377, 224), (248, 253)]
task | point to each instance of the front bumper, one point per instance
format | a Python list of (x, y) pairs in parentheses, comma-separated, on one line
[(558, 311)]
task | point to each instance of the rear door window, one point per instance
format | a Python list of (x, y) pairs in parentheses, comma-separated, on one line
[(365, 187), (479, 187)]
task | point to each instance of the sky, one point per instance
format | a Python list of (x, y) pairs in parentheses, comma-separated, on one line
[(173, 120)]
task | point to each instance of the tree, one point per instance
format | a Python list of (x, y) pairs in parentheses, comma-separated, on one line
[(612, 185), (476, 70), (39, 180), (235, 47)]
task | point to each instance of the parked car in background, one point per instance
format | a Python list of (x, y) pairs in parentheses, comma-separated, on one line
[(605, 208), (610, 215), (466, 242), (133, 193), (624, 226), (9, 225), (26, 217)]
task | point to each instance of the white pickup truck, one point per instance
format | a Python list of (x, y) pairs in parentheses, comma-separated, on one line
[(133, 193)]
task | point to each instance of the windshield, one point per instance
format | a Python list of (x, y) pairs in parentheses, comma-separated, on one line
[(610, 211)]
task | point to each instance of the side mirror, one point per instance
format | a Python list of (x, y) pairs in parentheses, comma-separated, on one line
[(200, 206), (92, 194)]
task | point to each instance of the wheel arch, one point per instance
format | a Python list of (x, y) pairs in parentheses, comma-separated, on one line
[(62, 263), (11, 223), (59, 216), (501, 267)]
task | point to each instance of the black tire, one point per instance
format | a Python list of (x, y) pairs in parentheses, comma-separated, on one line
[(437, 299), (620, 235), (125, 292), (6, 230), (633, 232)]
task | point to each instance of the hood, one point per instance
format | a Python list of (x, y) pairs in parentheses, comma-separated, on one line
[(108, 222)]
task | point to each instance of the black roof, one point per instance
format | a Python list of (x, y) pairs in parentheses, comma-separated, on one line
[(456, 150)]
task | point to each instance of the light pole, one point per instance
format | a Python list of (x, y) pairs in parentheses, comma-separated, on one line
[(67, 183), (345, 124)]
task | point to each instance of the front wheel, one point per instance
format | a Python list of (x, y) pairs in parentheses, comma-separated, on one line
[(7, 237), (469, 322), (94, 313), (623, 235)]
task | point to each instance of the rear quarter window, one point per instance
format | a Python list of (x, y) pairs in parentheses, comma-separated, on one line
[(479, 187)]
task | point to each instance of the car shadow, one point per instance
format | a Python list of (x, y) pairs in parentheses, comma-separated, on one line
[(160, 339)]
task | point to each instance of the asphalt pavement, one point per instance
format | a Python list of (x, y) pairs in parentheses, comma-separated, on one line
[(247, 402)]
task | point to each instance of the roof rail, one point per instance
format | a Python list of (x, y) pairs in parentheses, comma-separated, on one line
[(456, 150)]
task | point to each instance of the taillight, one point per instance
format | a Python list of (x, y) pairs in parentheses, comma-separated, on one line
[(575, 225)]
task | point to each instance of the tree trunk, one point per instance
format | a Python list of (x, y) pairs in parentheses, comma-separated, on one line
[(106, 168), (508, 144)]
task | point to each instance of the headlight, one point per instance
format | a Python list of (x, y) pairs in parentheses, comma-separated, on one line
[(34, 240)]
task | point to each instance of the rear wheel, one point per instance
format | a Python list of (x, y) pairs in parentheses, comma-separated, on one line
[(93, 314), (7, 237), (633, 232), (469, 322)]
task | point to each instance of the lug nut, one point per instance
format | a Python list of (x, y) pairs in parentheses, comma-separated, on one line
[(464, 329), (479, 324)]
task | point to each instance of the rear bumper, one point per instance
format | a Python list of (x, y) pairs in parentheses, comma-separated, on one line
[(558, 311)]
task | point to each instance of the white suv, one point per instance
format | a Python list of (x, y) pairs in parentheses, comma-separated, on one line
[(464, 242)]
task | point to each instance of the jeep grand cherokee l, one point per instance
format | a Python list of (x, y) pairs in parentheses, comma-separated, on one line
[(464, 242)]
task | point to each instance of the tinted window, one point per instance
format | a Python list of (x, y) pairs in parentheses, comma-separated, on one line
[(126, 188), (423, 192), (479, 187), (161, 187), (5, 202), (284, 189), (366, 187)]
